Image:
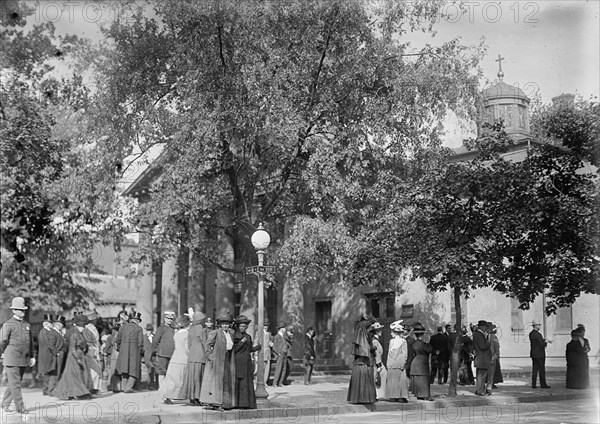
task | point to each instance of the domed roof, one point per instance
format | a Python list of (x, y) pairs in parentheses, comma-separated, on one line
[(503, 90)]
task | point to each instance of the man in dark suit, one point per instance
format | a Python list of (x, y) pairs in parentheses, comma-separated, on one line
[(309, 354), (281, 347), (58, 325), (163, 345), (130, 344), (537, 352), (439, 358), (483, 358), (16, 347), (49, 345), (152, 377)]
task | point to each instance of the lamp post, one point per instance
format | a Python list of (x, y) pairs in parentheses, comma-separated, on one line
[(260, 240)]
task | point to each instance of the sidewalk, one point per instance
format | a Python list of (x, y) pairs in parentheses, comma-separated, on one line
[(324, 399)]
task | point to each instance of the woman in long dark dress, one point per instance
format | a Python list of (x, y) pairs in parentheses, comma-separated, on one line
[(578, 376), (76, 380), (362, 380), (419, 366), (218, 385), (244, 368)]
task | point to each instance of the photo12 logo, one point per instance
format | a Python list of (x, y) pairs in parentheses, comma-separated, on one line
[(87, 11), (490, 12)]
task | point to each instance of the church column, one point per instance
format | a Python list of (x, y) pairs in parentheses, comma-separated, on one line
[(145, 292)]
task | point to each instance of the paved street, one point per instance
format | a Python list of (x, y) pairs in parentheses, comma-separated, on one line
[(325, 401)]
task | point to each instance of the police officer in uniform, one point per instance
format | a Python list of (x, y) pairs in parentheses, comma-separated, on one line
[(16, 345)]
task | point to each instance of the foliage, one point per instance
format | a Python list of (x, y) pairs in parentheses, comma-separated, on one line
[(574, 126), (49, 221), (273, 110)]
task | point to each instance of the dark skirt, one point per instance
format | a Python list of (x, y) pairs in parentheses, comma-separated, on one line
[(244, 390), (227, 384), (421, 386), (498, 373), (193, 381), (578, 377), (362, 382), (75, 380)]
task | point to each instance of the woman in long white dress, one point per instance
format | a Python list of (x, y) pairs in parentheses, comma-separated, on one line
[(396, 388), (171, 386)]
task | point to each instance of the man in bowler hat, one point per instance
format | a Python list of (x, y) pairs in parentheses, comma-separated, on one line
[(16, 346), (537, 352)]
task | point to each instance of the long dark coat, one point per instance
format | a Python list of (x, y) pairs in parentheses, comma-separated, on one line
[(130, 344), (76, 379), (483, 352), (244, 369), (49, 346), (578, 374), (214, 372)]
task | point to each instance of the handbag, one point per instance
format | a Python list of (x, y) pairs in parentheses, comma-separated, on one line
[(378, 379)]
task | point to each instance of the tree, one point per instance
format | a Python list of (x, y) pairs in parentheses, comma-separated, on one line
[(272, 110), (520, 228), (45, 227)]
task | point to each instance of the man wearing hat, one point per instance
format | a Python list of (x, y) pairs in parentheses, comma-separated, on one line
[(49, 346), (16, 347), (152, 377), (537, 352), (281, 348), (58, 325), (483, 358), (130, 344), (265, 339), (163, 345)]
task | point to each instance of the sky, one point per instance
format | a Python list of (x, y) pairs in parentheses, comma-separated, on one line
[(549, 47)]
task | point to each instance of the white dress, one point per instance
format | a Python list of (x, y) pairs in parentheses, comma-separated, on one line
[(397, 382), (173, 382)]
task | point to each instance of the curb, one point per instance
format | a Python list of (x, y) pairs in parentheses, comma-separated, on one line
[(324, 411)]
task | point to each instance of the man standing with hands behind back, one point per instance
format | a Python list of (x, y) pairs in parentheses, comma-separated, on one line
[(537, 353), (16, 345)]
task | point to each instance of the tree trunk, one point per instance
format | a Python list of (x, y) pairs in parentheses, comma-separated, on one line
[(455, 354)]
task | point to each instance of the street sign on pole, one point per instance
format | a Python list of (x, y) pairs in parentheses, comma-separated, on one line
[(260, 270)]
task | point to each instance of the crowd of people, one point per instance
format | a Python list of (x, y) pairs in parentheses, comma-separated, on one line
[(213, 363), (413, 364)]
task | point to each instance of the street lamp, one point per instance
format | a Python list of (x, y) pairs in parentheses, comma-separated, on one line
[(261, 240)]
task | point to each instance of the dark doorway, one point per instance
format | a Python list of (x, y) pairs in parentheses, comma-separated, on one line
[(383, 307), (324, 329)]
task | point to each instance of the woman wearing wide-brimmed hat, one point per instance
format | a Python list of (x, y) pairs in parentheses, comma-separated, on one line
[(244, 369), (76, 380), (174, 378), (396, 388), (419, 366), (219, 383), (362, 380)]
